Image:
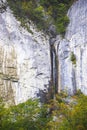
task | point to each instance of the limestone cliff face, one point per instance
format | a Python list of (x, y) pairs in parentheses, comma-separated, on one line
[(74, 76), (29, 61), (24, 60)]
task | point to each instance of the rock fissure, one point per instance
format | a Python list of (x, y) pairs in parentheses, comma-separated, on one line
[(54, 66)]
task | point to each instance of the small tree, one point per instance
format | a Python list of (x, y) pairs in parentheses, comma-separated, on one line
[(73, 58)]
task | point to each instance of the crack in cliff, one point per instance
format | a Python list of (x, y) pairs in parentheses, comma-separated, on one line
[(54, 67), (74, 80), (54, 42)]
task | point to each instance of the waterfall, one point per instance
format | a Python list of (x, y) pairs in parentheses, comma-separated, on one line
[(54, 66), (54, 43)]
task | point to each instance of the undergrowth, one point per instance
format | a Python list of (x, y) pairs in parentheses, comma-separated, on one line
[(58, 114)]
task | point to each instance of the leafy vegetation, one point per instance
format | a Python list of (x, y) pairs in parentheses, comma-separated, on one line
[(73, 58), (25, 10), (56, 115), (57, 9), (42, 13)]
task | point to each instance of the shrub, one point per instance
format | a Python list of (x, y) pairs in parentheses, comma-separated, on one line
[(58, 11), (56, 115), (73, 58), (43, 12)]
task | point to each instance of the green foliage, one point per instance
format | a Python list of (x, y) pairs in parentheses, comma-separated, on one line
[(58, 11), (24, 10), (73, 58), (61, 24), (79, 114), (57, 115), (42, 13), (78, 93), (25, 116)]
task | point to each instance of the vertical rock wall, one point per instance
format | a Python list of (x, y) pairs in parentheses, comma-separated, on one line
[(24, 60), (74, 76), (26, 66)]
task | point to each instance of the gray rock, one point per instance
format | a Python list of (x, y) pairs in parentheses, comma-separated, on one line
[(24, 60), (73, 77), (52, 30)]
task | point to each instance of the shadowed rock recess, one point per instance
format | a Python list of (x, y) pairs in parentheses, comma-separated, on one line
[(30, 62)]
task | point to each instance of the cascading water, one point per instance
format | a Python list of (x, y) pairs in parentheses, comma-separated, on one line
[(54, 42), (54, 66)]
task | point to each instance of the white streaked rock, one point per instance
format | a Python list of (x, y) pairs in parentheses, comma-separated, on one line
[(25, 60), (75, 76)]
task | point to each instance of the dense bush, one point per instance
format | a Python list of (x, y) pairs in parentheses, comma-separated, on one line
[(42, 12), (56, 115), (76, 118), (25, 10), (58, 11), (73, 58), (25, 116)]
